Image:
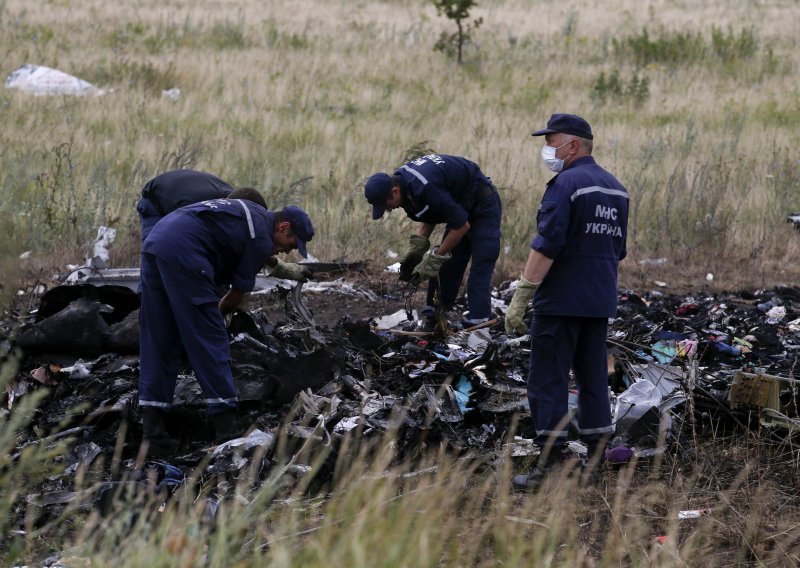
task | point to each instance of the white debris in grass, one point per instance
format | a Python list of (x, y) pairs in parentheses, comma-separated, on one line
[(41, 80)]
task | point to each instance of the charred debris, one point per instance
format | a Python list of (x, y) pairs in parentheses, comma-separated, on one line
[(679, 368)]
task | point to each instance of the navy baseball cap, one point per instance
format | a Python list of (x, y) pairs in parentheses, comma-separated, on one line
[(566, 124), (301, 226), (377, 190)]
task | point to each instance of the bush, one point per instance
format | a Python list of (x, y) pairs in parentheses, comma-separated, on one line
[(458, 12), (672, 48), (729, 46), (612, 88)]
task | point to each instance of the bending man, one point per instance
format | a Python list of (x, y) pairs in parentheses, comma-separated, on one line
[(168, 191), (434, 189), (186, 256), (178, 188)]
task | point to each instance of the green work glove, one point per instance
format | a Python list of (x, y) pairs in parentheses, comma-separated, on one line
[(417, 247), (518, 305), (291, 271), (430, 265)]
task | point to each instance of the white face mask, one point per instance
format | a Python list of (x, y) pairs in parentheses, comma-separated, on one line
[(549, 156)]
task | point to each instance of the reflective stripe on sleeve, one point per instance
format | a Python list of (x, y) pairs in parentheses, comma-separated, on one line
[(249, 219), (415, 173), (596, 189), (154, 403)]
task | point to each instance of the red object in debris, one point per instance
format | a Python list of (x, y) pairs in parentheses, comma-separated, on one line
[(686, 309), (661, 539), (44, 374)]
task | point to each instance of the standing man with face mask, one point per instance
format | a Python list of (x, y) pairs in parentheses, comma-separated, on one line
[(571, 274)]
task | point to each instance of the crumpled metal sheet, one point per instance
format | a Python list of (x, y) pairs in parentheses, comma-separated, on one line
[(255, 439), (78, 328), (464, 392), (299, 308)]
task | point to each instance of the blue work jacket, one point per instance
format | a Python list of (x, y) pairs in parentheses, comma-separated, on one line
[(227, 241), (438, 188), (582, 225)]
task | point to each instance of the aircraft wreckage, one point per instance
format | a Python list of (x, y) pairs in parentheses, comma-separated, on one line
[(673, 361)]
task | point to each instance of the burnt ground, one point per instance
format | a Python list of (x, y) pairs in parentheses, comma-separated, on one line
[(329, 308), (717, 460)]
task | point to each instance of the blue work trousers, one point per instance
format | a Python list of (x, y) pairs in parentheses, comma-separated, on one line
[(482, 245), (559, 343), (179, 311)]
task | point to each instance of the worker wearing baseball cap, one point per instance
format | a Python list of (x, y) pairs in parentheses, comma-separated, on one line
[(571, 274), (185, 258), (434, 189)]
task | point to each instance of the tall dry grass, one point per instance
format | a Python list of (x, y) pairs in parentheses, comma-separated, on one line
[(305, 99), (438, 509)]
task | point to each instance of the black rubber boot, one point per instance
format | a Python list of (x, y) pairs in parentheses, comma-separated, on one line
[(548, 460), (225, 426), (155, 438), (596, 452), (428, 324)]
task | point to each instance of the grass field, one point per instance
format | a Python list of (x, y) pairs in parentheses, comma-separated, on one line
[(695, 107)]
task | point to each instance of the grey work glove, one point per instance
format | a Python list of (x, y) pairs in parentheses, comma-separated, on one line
[(291, 271), (417, 246), (519, 304), (430, 265)]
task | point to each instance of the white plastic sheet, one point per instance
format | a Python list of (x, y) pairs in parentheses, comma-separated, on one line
[(41, 80), (640, 397)]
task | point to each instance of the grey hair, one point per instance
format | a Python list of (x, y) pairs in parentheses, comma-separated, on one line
[(586, 144)]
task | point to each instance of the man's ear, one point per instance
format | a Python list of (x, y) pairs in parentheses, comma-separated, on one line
[(283, 227)]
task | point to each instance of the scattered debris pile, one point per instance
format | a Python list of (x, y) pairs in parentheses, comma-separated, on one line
[(677, 367)]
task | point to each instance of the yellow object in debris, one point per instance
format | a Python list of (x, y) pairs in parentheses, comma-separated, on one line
[(755, 390)]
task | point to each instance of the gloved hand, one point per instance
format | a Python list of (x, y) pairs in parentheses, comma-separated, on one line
[(417, 246), (291, 271), (430, 265), (518, 305)]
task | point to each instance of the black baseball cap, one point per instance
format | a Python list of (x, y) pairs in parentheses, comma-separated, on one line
[(301, 226), (377, 190), (566, 124)]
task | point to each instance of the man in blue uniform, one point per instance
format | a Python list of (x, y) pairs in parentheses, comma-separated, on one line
[(434, 189), (168, 191), (582, 227), (186, 256), (171, 190)]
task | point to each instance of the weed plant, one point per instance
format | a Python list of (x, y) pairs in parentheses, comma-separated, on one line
[(612, 88)]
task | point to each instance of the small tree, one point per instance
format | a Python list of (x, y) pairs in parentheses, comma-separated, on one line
[(457, 11)]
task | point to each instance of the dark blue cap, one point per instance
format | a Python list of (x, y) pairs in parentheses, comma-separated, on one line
[(377, 190), (301, 226), (567, 124)]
